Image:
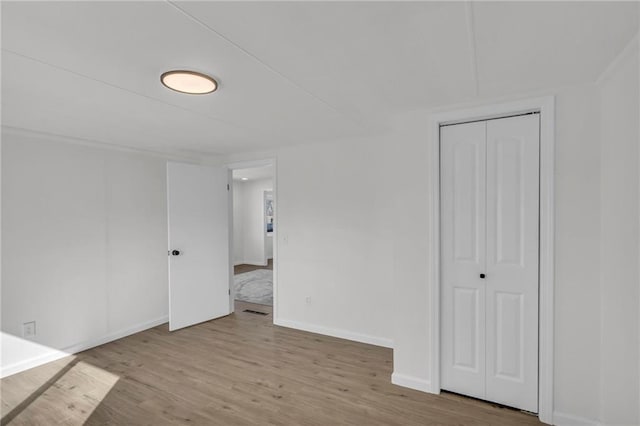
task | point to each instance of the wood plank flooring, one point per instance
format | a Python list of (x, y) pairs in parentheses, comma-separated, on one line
[(237, 370), (242, 268)]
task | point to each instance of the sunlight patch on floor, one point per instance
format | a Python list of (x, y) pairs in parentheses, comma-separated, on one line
[(65, 391), (18, 388)]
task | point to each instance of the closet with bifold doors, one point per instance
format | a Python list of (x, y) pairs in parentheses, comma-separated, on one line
[(489, 245)]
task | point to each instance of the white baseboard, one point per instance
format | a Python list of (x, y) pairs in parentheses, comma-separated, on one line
[(116, 335), (342, 334), (412, 383), (27, 364), (564, 419), (55, 354)]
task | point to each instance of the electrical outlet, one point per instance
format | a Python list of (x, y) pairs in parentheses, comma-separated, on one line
[(29, 329), (308, 300)]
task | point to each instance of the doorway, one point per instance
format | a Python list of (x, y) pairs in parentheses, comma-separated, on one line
[(545, 106), (253, 237), (202, 239)]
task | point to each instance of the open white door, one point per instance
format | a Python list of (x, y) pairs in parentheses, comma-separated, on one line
[(199, 271)]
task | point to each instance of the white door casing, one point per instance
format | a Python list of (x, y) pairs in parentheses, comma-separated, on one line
[(198, 217), (489, 225)]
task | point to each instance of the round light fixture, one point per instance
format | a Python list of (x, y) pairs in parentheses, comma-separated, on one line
[(244, 178), (190, 82)]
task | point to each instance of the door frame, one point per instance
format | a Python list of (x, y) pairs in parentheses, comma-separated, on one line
[(546, 107), (270, 161)]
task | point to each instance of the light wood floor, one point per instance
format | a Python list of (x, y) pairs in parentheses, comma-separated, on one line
[(237, 370)]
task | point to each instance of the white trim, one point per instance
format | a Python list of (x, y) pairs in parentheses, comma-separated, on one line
[(27, 364), (56, 354), (546, 107), (334, 332), (547, 260), (117, 335), (411, 382), (230, 246), (638, 52), (276, 257), (563, 419), (251, 164), (10, 130)]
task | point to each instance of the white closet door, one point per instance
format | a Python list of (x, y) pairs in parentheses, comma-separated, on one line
[(512, 261), (462, 156), (489, 260)]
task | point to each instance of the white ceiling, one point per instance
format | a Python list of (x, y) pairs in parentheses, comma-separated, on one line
[(289, 72)]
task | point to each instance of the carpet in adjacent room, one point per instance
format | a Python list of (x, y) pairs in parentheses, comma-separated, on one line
[(255, 287)]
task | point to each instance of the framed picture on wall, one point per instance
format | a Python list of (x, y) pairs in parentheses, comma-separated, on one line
[(268, 210)]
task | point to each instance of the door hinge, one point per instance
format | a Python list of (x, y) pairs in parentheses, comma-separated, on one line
[(229, 292), (228, 187)]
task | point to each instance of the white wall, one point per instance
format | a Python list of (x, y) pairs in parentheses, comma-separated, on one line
[(248, 221), (268, 246), (619, 291), (577, 291), (84, 225), (335, 240), (577, 285), (360, 251), (87, 229)]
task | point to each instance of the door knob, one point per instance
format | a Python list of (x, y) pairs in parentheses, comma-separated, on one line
[(176, 252), (482, 276)]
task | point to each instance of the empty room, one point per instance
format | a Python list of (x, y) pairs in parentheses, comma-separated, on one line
[(320, 213)]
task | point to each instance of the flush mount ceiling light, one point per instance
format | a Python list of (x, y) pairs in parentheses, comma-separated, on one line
[(244, 178), (190, 82)]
